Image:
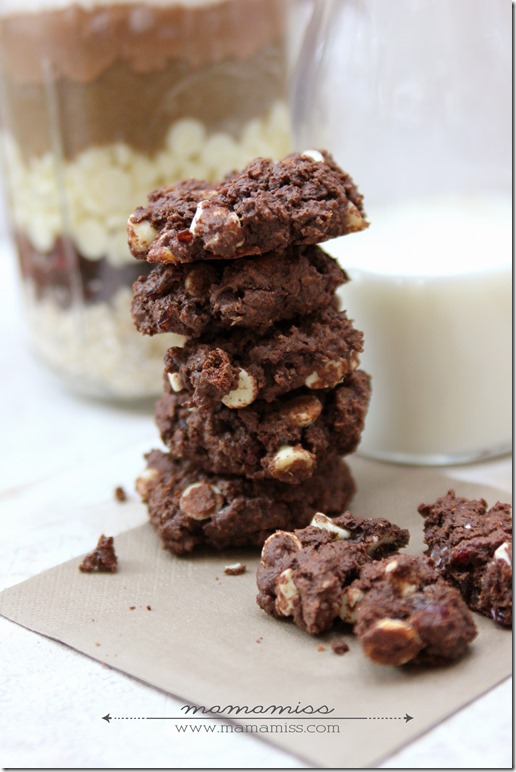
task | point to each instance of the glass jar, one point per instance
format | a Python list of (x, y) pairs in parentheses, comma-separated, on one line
[(413, 97), (101, 102)]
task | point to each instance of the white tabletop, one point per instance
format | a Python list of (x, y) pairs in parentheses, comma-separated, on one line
[(59, 449)]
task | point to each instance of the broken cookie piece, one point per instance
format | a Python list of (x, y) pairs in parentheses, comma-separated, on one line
[(102, 559), (404, 611), (471, 546), (271, 205), (303, 574)]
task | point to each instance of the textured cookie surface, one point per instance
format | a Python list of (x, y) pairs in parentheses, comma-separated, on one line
[(284, 440), (191, 508), (404, 611), (238, 368), (471, 546), (211, 297), (303, 574), (304, 199)]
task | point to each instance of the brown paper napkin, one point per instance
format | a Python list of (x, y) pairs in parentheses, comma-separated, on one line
[(183, 625)]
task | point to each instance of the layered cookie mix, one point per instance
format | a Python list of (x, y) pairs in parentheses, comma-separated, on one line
[(471, 546), (303, 574), (265, 395), (103, 102)]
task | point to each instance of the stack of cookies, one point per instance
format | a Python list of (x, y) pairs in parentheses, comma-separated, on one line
[(264, 398)]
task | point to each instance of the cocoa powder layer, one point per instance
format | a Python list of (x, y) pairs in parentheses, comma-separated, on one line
[(81, 44), (125, 73), (137, 108)]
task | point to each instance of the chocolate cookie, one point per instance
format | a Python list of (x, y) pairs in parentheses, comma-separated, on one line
[(303, 574), (269, 206), (210, 297), (284, 440), (318, 352), (404, 611), (190, 508), (471, 546)]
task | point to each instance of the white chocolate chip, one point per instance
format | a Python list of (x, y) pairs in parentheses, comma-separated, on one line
[(315, 155), (201, 500), (245, 392), (330, 375), (404, 588), (324, 522), (355, 220), (175, 382), (201, 206), (286, 593), (282, 535), (350, 597), (392, 565), (141, 235), (502, 553), (393, 624), (143, 481), (288, 457), (219, 215), (302, 411)]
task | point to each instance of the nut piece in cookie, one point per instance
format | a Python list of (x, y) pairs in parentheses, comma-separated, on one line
[(102, 559), (404, 611), (191, 508), (303, 574), (471, 547), (270, 205)]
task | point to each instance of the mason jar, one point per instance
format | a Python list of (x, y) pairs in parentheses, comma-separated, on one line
[(414, 97), (101, 102)]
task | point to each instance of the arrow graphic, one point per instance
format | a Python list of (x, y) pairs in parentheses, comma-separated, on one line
[(406, 718)]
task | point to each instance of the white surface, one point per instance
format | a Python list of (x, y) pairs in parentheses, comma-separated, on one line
[(53, 698)]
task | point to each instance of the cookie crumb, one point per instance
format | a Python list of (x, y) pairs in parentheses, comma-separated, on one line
[(235, 569), (260, 639), (132, 608), (97, 643), (120, 494), (340, 646), (321, 648), (149, 608), (103, 558)]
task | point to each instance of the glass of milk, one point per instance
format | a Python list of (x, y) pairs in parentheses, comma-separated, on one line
[(413, 98)]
